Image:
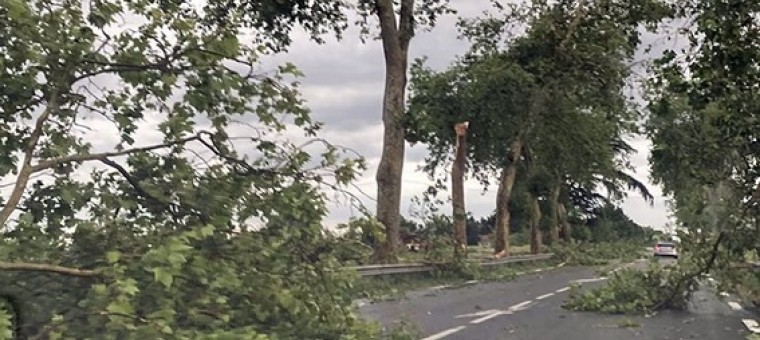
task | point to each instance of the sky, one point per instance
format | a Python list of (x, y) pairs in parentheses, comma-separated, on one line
[(343, 86)]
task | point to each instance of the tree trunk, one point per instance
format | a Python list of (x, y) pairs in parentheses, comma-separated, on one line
[(566, 231), (554, 224), (395, 38), (536, 243), (506, 182), (457, 190)]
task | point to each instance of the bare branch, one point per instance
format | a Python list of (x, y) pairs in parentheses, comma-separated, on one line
[(26, 167), (46, 268), (49, 163), (577, 17)]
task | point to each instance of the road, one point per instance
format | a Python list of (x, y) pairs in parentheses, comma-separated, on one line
[(529, 307)]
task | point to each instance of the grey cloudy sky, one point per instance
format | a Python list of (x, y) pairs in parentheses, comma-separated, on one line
[(343, 86)]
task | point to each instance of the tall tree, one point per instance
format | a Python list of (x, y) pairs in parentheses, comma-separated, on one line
[(562, 73), (397, 26)]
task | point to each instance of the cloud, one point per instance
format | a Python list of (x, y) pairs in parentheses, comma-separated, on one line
[(344, 88)]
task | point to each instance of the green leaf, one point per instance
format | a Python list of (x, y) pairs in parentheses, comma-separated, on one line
[(162, 276), (120, 308), (113, 256)]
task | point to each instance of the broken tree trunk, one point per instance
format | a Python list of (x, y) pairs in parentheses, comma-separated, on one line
[(457, 189)]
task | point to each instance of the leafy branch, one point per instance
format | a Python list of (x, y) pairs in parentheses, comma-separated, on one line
[(47, 268)]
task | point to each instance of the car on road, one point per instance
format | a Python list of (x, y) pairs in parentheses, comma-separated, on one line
[(665, 249)]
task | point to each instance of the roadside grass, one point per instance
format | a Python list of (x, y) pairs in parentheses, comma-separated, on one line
[(604, 256), (599, 254), (390, 287), (473, 253)]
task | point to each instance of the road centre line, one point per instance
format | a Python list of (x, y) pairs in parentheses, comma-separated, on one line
[(441, 335), (562, 290), (734, 305), (752, 325), (520, 305), (545, 296), (490, 316), (589, 280), (493, 314)]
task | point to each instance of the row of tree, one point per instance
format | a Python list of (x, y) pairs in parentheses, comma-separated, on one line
[(547, 110)]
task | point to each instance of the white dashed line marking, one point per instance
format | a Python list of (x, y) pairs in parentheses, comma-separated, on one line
[(481, 313), (589, 280), (752, 325), (490, 316), (562, 290), (494, 313), (520, 305), (519, 273), (537, 270), (544, 296), (734, 305), (445, 333)]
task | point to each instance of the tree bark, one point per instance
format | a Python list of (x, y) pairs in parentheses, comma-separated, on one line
[(554, 224), (457, 189), (536, 243), (506, 182), (26, 166), (566, 231), (395, 40)]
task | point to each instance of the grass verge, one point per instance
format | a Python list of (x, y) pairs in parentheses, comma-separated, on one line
[(377, 288)]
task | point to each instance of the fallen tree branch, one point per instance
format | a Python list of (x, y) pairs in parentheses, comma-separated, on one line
[(46, 268), (708, 265)]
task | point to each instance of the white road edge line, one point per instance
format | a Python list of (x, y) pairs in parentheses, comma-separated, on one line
[(562, 290), (545, 296), (445, 333), (734, 305), (752, 325)]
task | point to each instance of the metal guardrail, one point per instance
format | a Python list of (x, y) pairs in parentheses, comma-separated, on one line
[(403, 268)]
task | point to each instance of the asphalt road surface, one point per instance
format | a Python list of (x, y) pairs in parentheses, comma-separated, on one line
[(529, 307)]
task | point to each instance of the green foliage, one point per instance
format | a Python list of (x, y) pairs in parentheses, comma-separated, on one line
[(6, 322), (592, 253), (273, 20), (204, 220), (632, 291), (703, 126)]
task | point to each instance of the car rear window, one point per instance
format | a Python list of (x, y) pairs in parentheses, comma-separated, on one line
[(666, 245)]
